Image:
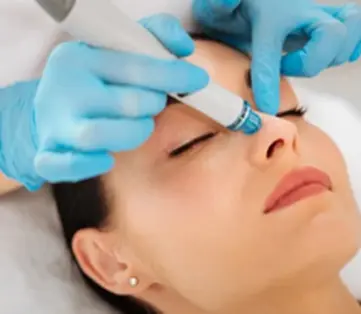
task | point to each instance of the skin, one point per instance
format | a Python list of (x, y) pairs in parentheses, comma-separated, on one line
[(8, 185), (192, 228)]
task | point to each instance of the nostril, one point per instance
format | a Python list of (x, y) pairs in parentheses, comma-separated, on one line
[(274, 146)]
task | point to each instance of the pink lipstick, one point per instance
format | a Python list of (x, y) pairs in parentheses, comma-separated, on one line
[(297, 185)]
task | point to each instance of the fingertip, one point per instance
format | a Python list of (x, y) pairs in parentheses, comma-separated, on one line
[(294, 64), (266, 94), (92, 164), (156, 103), (192, 77), (268, 106), (139, 131), (202, 77), (169, 30), (182, 44), (148, 127), (72, 166)]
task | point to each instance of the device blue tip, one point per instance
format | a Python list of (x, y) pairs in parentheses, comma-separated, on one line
[(252, 123), (249, 122)]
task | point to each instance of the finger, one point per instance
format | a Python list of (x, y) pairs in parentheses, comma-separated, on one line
[(266, 59), (327, 36), (133, 102), (356, 54), (71, 166), (350, 16), (170, 33), (114, 102), (112, 135), (101, 100), (169, 76), (114, 67)]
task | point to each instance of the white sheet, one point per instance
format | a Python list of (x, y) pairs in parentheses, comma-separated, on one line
[(35, 273)]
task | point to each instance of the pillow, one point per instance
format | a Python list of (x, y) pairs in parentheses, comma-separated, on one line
[(36, 274)]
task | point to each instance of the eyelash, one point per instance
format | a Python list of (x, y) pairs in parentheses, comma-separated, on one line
[(295, 112), (188, 146), (298, 111)]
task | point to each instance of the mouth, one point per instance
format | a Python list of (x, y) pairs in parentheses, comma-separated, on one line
[(296, 186)]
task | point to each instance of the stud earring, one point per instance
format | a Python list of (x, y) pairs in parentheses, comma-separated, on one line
[(133, 282)]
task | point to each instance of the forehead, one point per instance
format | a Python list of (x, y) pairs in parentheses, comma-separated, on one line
[(229, 68), (226, 66)]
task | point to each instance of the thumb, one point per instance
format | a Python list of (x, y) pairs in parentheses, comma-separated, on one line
[(266, 62), (170, 32)]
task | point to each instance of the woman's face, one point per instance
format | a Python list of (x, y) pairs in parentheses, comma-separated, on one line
[(194, 219)]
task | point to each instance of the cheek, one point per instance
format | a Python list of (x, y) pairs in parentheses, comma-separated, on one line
[(342, 220), (320, 150), (196, 226), (189, 209)]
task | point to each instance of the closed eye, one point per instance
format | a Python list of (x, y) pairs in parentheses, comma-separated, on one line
[(294, 112), (191, 144)]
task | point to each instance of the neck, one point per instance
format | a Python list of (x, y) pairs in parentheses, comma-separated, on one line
[(333, 298)]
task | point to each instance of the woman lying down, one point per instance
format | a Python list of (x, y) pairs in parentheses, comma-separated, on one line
[(200, 220)]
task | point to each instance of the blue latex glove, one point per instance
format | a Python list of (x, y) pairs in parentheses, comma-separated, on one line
[(17, 134), (323, 36), (90, 103)]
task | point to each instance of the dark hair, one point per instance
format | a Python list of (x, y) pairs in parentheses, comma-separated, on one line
[(84, 205)]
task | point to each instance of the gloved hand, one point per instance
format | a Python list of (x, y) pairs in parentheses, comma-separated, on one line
[(324, 36), (89, 103)]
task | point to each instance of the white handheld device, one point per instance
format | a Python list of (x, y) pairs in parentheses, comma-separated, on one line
[(101, 23)]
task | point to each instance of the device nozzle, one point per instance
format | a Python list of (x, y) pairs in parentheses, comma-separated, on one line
[(249, 122), (252, 123)]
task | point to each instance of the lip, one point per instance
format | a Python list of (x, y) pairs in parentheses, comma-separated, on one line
[(297, 185)]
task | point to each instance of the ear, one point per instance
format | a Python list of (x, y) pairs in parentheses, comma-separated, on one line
[(100, 260)]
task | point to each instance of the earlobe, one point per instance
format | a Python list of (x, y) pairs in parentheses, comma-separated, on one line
[(129, 286), (134, 280), (97, 257)]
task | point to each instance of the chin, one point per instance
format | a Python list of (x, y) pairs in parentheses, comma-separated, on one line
[(334, 236), (325, 236)]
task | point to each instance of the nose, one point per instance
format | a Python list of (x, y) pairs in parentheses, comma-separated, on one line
[(277, 141)]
